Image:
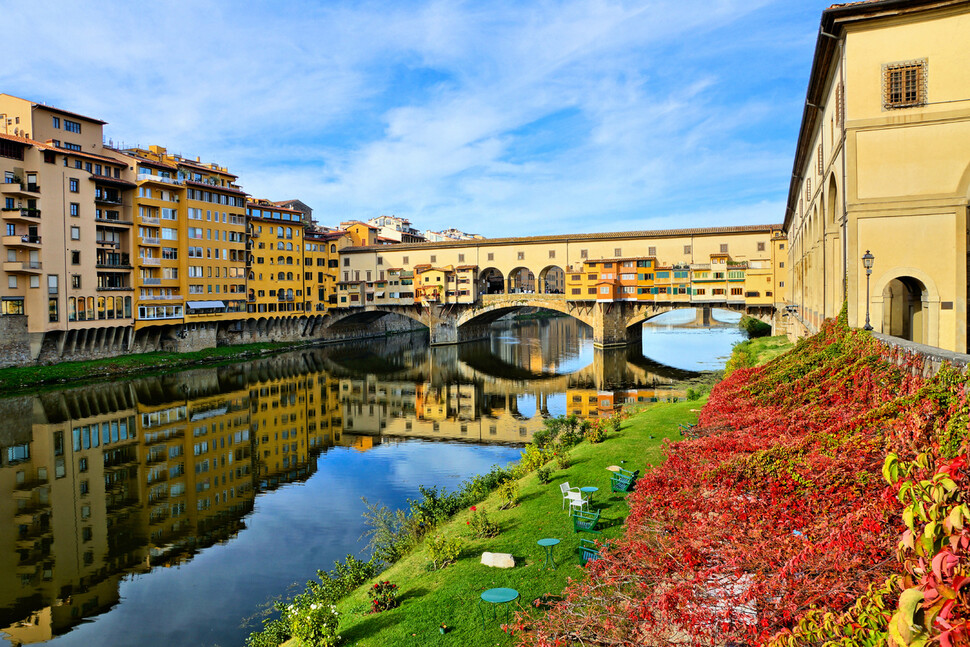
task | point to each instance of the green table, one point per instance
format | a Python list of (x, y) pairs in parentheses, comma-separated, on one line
[(548, 544), (589, 490), (496, 597)]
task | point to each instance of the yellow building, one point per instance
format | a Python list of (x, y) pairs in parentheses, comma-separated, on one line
[(882, 165), (321, 259), (276, 277)]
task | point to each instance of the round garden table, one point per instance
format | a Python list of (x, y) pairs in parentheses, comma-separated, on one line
[(589, 490), (548, 543), (496, 597)]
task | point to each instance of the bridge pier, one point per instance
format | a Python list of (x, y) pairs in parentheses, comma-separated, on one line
[(610, 325), (702, 315)]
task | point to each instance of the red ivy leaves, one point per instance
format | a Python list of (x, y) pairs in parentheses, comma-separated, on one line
[(777, 508)]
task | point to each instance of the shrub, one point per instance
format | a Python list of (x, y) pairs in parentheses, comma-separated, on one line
[(313, 625), (754, 327), (383, 596), (509, 492), (596, 433), (533, 458), (615, 421), (481, 525), (544, 474), (392, 534), (443, 551), (563, 460)]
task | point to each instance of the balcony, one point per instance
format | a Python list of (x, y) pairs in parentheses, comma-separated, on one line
[(21, 189), (145, 240), (105, 198), (113, 266), (150, 261), (113, 221), (31, 242), (150, 281), (147, 177), (22, 267), (160, 297), (149, 220), (21, 214)]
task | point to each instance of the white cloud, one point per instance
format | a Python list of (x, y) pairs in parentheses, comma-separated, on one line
[(518, 117)]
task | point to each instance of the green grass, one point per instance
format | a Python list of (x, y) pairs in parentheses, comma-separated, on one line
[(757, 351), (451, 595), (29, 377)]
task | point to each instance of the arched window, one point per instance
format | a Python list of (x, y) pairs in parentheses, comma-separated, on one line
[(100, 307), (289, 277), (71, 309), (128, 307), (289, 232), (289, 247), (281, 276), (280, 245), (119, 308), (109, 307), (280, 260), (90, 308), (289, 294), (279, 232), (289, 260), (333, 249)]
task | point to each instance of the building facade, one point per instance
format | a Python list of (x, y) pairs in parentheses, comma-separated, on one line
[(882, 166)]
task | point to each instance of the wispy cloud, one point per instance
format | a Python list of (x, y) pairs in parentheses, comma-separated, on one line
[(501, 117)]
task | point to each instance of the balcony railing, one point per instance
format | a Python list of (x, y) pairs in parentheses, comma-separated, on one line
[(151, 261), (147, 240), (160, 297), (148, 177), (150, 220), (100, 197), (21, 240), (113, 221), (151, 281), (22, 266)]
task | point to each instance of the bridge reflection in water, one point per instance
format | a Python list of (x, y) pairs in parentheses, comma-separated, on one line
[(108, 480)]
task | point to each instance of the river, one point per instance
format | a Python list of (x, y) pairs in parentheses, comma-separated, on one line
[(169, 510)]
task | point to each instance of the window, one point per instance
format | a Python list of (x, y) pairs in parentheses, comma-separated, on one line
[(346, 261), (75, 209), (761, 247), (72, 126), (403, 260), (605, 290), (904, 84), (491, 256), (724, 248), (56, 122), (461, 259), (781, 284), (76, 278), (687, 250), (434, 259), (781, 264), (520, 256), (73, 185), (651, 251), (75, 233), (584, 253), (52, 315), (617, 252)]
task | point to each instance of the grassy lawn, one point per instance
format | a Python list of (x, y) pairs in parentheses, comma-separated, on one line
[(766, 349), (16, 378), (451, 595)]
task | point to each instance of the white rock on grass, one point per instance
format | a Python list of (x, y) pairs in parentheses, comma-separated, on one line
[(498, 560)]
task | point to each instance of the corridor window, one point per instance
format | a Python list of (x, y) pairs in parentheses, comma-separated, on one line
[(904, 84)]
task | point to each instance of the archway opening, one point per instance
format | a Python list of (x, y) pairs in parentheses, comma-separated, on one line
[(491, 282), (522, 281), (552, 280), (904, 314)]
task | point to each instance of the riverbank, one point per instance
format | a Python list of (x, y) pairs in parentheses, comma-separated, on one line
[(451, 595), (15, 380)]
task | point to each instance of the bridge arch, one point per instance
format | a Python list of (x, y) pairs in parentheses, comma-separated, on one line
[(552, 280), (491, 281), (493, 309), (521, 281)]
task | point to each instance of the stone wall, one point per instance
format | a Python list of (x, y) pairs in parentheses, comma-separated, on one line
[(933, 358), (14, 341)]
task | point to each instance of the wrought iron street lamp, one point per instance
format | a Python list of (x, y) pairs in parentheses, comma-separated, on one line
[(867, 261)]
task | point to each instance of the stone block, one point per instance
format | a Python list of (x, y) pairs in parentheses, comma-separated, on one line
[(498, 560)]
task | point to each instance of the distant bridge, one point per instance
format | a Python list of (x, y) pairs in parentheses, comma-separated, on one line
[(614, 323)]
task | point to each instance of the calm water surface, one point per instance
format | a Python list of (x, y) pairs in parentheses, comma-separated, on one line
[(167, 511)]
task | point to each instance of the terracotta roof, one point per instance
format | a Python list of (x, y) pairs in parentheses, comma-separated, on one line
[(568, 238), (149, 162), (271, 205)]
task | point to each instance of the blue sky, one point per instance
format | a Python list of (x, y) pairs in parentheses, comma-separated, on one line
[(501, 118)]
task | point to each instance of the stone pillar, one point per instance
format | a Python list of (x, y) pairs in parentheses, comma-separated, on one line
[(609, 324), (472, 332), (442, 325)]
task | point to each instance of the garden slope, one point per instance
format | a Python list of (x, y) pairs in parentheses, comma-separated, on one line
[(778, 506)]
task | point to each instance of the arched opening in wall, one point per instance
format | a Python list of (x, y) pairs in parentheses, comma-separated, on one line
[(552, 280), (522, 281), (491, 281), (904, 309)]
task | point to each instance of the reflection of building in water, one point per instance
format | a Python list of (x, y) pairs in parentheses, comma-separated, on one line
[(293, 420), (592, 404)]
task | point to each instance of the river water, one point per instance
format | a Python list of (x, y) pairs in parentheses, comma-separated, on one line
[(169, 510)]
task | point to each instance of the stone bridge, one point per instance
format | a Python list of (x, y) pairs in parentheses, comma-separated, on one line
[(614, 323)]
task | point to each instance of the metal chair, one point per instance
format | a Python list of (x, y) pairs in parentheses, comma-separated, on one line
[(565, 489)]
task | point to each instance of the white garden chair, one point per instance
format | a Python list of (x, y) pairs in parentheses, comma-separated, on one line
[(565, 489), (576, 500)]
